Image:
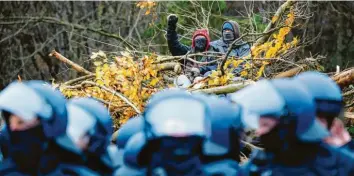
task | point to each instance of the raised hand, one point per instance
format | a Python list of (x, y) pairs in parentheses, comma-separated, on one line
[(172, 19)]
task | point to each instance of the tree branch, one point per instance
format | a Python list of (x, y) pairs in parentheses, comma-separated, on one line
[(76, 26), (67, 83), (278, 13), (71, 63), (125, 99)]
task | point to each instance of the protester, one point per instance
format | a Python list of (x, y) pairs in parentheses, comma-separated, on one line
[(230, 32)]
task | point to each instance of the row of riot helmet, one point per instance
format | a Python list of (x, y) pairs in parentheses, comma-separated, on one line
[(45, 134), (297, 121), (180, 133)]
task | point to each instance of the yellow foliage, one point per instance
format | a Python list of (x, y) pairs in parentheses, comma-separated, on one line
[(276, 45), (125, 76), (149, 5)]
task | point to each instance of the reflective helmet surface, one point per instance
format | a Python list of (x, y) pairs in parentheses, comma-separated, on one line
[(175, 114), (282, 98), (131, 127), (32, 99), (103, 129)]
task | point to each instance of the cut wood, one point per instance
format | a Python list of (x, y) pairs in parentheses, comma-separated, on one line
[(74, 65), (224, 89), (292, 72), (344, 78)]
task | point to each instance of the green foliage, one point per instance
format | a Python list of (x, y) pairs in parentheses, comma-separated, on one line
[(351, 130)]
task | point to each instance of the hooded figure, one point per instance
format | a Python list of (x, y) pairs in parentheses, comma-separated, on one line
[(35, 116), (290, 134), (200, 39), (230, 32)]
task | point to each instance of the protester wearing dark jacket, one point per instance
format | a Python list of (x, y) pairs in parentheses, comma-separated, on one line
[(200, 43), (230, 33)]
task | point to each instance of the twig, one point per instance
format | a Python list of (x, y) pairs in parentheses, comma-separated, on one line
[(251, 146), (78, 79), (171, 58), (114, 136), (349, 105), (71, 63), (348, 93), (110, 103), (114, 93), (71, 25)]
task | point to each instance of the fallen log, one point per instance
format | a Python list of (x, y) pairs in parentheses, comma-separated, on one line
[(344, 78), (224, 89), (74, 65), (292, 72)]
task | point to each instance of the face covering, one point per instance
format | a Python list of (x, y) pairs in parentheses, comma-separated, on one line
[(228, 36), (178, 156), (271, 141), (27, 147), (200, 43), (97, 144)]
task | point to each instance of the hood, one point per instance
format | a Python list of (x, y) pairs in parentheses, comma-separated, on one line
[(236, 27), (203, 32)]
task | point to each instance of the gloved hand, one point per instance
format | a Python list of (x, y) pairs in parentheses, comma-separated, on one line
[(172, 21)]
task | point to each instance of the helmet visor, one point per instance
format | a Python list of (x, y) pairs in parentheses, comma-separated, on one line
[(177, 117)]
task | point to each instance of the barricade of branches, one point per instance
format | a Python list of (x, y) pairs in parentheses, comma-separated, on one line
[(124, 83)]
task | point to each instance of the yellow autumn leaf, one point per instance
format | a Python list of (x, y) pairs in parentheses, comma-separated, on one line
[(100, 82), (125, 54), (260, 71), (274, 18), (97, 63), (244, 73), (147, 12), (154, 81)]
